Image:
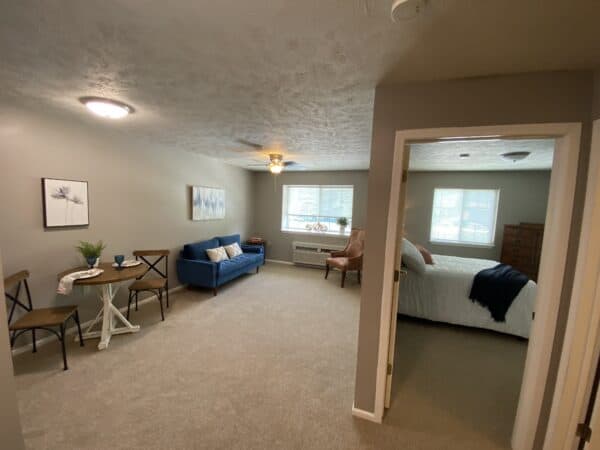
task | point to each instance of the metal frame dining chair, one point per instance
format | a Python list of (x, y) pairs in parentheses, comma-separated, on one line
[(153, 285), (37, 319)]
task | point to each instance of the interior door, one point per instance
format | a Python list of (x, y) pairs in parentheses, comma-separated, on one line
[(397, 277)]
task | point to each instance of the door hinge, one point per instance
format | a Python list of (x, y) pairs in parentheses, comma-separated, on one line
[(396, 275), (389, 369), (404, 175), (533, 315), (584, 432)]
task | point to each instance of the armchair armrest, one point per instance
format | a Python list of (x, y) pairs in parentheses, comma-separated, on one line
[(247, 248), (355, 263), (338, 254), (197, 273)]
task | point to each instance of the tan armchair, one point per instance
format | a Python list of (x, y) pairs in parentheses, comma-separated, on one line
[(350, 258)]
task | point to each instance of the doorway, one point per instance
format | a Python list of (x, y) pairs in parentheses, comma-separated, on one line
[(470, 205), (552, 265)]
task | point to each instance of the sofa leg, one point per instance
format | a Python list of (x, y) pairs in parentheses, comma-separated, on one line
[(343, 278), (257, 269), (326, 270), (215, 292)]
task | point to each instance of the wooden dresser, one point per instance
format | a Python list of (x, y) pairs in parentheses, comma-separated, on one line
[(522, 247)]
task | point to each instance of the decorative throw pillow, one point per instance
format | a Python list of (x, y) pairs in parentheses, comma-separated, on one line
[(412, 258), (233, 250), (426, 254), (217, 254)]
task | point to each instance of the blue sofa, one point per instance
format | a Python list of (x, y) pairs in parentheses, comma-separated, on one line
[(194, 267)]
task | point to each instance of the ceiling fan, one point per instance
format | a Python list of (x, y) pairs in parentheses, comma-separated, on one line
[(276, 163)]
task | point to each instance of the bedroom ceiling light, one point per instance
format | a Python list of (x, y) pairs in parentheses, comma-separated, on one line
[(515, 156), (107, 108)]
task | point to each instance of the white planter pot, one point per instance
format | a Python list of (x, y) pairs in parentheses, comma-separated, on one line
[(342, 229)]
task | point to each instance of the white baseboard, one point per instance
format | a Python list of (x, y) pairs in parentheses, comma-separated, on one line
[(366, 415), (73, 329), (278, 261)]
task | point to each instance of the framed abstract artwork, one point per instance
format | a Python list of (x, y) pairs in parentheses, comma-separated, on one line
[(65, 203), (208, 203)]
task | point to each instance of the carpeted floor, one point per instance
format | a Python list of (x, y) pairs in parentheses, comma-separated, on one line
[(268, 364)]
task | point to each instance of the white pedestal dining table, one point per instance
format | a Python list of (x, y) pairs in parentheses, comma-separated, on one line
[(107, 285)]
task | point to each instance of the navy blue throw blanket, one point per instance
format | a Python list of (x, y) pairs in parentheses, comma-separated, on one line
[(496, 289)]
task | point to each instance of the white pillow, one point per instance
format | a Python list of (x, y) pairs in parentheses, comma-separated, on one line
[(233, 250), (412, 258), (217, 254)]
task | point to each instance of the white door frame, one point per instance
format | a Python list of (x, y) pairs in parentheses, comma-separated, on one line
[(552, 265), (582, 337)]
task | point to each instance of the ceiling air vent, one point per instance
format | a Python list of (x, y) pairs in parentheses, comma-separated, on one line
[(406, 9)]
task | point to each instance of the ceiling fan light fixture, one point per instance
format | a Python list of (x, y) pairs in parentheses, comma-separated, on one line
[(515, 156), (275, 168)]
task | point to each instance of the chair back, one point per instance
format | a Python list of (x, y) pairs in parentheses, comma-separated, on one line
[(157, 256), (356, 243), (18, 279)]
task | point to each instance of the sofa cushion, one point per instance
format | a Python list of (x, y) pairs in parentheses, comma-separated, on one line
[(228, 240), (197, 250), (241, 262), (233, 250), (217, 254)]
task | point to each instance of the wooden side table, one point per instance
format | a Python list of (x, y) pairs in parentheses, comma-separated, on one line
[(261, 242)]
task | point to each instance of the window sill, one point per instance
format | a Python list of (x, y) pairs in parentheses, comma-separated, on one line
[(461, 244), (317, 233)]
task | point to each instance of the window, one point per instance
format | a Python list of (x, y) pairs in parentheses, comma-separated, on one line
[(316, 209), (464, 216)]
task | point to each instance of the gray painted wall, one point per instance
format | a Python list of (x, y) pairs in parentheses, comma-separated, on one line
[(511, 99), (523, 198), (268, 202), (139, 199), (10, 422)]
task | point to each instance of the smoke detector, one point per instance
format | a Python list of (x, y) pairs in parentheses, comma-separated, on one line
[(406, 9)]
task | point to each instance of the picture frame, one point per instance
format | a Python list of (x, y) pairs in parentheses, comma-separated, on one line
[(65, 203), (208, 203)]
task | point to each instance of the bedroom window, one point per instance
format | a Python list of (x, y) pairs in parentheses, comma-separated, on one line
[(464, 216), (316, 209)]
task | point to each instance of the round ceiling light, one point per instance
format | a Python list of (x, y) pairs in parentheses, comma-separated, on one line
[(406, 9), (515, 156), (107, 108)]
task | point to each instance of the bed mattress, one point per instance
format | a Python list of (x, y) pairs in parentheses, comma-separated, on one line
[(441, 294)]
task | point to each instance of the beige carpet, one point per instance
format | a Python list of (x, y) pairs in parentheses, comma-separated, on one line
[(269, 363)]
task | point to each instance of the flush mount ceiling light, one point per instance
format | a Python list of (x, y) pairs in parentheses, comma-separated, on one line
[(107, 108), (406, 9), (515, 156)]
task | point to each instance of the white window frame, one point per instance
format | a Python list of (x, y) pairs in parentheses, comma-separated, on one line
[(314, 233), (460, 243)]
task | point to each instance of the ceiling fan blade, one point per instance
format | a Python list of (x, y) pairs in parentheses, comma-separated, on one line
[(257, 165), (293, 165), (249, 144)]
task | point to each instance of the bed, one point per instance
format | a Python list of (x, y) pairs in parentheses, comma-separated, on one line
[(441, 294)]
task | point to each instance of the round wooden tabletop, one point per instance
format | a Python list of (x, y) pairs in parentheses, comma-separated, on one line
[(110, 274)]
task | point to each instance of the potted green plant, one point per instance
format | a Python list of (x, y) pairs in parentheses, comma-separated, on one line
[(91, 252), (343, 223)]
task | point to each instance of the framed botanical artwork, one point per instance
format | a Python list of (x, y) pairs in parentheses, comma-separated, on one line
[(65, 203), (208, 203)]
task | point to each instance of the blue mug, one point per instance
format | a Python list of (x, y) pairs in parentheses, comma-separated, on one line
[(119, 260)]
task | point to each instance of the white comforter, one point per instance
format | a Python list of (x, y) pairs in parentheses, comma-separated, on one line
[(442, 295)]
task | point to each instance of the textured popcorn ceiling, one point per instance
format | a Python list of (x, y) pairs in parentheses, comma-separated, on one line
[(298, 75), (484, 155)]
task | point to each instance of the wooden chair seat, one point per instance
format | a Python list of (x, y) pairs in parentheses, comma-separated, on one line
[(149, 284), (44, 317)]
